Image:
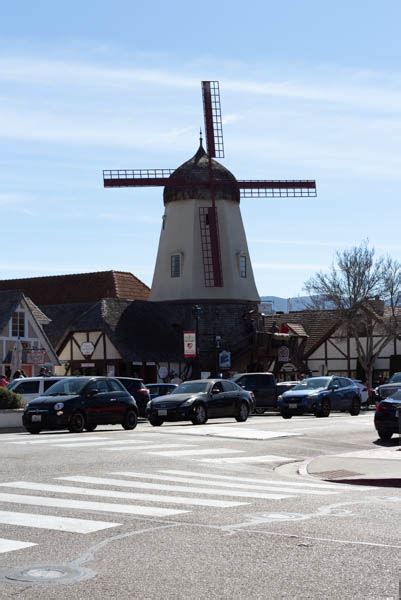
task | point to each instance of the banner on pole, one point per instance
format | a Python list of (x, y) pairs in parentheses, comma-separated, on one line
[(189, 344)]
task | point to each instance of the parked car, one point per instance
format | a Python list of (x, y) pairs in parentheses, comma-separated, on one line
[(200, 400), (78, 403), (388, 416), (320, 395), (387, 389), (160, 389), (363, 392), (138, 391), (263, 387), (30, 388)]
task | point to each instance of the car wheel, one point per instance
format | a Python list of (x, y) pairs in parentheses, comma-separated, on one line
[(90, 427), (33, 430), (77, 423), (156, 421), (285, 414), (199, 416), (259, 411), (355, 407), (324, 409), (130, 420), (384, 434), (243, 413)]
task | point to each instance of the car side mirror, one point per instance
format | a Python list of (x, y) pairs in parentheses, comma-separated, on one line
[(334, 387), (92, 392)]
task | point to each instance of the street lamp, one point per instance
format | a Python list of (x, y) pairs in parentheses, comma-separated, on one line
[(197, 310)]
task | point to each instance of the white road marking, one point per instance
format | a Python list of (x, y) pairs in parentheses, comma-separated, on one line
[(248, 459), (375, 453), (57, 440), (151, 447), (226, 484), (127, 509), (234, 432), (90, 444), (66, 489), (53, 522), (10, 545), (254, 480), (203, 451), (170, 488)]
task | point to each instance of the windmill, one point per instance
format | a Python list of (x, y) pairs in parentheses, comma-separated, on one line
[(212, 186)]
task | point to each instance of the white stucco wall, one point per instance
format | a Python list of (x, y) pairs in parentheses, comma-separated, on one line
[(181, 235)]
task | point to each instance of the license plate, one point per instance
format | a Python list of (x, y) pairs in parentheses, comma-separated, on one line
[(293, 405), (162, 412), (36, 418)]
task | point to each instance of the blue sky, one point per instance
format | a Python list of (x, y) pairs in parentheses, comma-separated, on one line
[(309, 90)]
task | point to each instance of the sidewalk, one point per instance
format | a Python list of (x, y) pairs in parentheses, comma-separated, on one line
[(379, 466)]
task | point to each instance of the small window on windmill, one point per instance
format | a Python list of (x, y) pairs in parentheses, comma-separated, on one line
[(163, 221), (242, 265), (175, 265)]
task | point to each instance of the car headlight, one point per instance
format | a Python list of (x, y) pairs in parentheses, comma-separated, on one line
[(188, 402), (149, 404), (59, 406), (280, 397)]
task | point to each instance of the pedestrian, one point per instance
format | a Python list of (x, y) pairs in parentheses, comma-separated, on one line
[(176, 379), (3, 381), (17, 374), (274, 328)]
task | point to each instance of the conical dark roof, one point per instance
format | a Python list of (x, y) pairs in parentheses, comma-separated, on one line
[(196, 171)]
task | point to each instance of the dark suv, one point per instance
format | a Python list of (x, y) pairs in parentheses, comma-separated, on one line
[(78, 403), (263, 386), (137, 389)]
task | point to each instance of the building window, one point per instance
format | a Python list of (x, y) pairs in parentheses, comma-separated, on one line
[(242, 265), (18, 324), (175, 265), (163, 222)]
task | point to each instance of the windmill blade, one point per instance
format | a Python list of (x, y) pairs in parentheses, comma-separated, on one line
[(212, 115), (277, 188), (136, 177)]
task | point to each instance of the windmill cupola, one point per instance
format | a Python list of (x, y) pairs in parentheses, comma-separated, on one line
[(193, 180)]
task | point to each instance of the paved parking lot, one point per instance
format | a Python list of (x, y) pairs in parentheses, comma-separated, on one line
[(181, 511)]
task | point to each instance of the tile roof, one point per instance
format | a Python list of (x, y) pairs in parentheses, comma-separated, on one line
[(79, 287), (317, 325)]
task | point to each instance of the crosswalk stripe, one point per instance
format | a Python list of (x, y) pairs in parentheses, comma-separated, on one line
[(149, 511), (203, 451), (226, 484), (152, 446), (106, 444), (52, 522), (267, 458), (65, 489), (57, 440), (10, 545), (236, 479), (172, 488)]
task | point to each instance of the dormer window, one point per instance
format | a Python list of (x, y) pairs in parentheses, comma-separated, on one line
[(175, 265)]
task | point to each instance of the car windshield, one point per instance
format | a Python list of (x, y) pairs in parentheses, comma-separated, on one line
[(191, 387), (396, 378), (66, 387), (313, 383)]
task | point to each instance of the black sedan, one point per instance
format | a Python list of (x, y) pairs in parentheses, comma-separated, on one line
[(78, 403), (200, 400), (388, 416)]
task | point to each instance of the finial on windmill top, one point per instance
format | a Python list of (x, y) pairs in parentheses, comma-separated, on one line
[(200, 136)]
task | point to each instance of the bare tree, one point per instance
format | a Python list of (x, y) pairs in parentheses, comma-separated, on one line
[(363, 291)]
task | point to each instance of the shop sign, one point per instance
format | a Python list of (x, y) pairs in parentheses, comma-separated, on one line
[(87, 364), (35, 357), (225, 360), (87, 348), (189, 344), (283, 354)]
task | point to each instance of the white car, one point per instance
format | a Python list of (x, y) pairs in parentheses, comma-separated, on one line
[(363, 392), (30, 388)]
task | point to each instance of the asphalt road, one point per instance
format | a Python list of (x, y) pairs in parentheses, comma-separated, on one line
[(186, 512)]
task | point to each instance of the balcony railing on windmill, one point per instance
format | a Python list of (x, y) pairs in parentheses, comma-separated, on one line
[(277, 188), (133, 177)]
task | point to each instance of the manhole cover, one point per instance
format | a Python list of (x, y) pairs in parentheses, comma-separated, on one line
[(339, 474), (47, 574)]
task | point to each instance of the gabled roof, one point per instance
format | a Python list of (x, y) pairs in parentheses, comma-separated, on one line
[(79, 287), (139, 330), (318, 325), (8, 303)]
